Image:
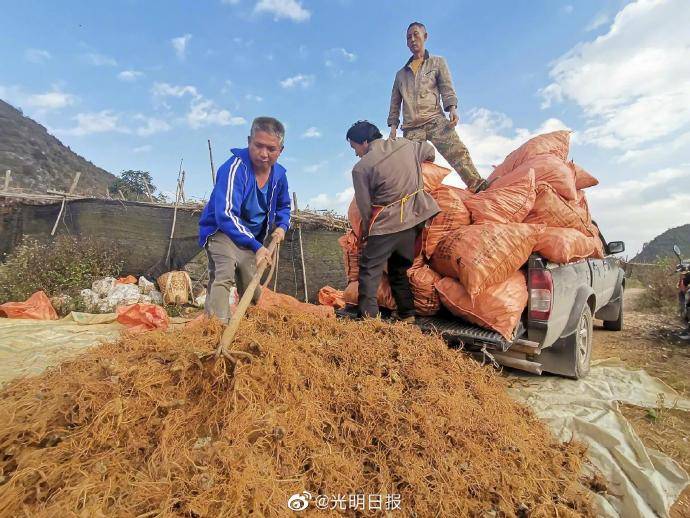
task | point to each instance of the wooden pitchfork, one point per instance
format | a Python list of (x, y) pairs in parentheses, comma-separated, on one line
[(234, 324)]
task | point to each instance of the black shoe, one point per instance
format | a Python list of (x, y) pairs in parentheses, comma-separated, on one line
[(348, 312)]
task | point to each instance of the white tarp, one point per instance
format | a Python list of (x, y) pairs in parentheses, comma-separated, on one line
[(642, 482)]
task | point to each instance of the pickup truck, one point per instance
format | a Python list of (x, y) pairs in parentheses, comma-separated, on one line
[(556, 330)]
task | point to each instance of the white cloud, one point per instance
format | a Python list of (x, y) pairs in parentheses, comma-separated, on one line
[(637, 210), (129, 75), (252, 97), (596, 22), (49, 101), (568, 9), (338, 203), (96, 122), (180, 45), (311, 133), (290, 9), (204, 112), (348, 56), (142, 149), (150, 126), (99, 60), (311, 169), (632, 83), (168, 90), (37, 55), (300, 80)]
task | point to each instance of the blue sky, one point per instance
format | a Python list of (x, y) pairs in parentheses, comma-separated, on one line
[(142, 84)]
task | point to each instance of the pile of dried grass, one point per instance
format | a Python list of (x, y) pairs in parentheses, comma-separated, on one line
[(142, 427)]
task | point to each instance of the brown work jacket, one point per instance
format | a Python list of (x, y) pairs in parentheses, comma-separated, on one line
[(421, 94), (389, 190)]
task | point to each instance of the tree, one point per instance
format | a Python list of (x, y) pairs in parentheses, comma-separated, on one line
[(133, 184)]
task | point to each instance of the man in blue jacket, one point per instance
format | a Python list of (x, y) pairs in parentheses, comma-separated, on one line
[(250, 200)]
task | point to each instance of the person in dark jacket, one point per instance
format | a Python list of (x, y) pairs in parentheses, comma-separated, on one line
[(390, 196), (249, 201)]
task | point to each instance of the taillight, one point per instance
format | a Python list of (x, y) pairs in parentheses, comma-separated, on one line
[(540, 294)]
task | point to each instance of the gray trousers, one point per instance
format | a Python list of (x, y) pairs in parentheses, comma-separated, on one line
[(228, 266)]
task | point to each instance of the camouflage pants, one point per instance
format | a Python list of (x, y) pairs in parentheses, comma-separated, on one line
[(443, 136)]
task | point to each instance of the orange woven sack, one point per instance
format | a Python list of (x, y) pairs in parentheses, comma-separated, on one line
[(556, 143), (583, 207), (547, 168), (582, 178), (270, 299), (499, 307), (564, 245), (453, 215), (354, 217), (553, 211), (509, 204), (384, 295), (351, 254), (329, 296), (422, 279), (483, 255), (143, 317), (433, 175), (37, 307), (599, 251)]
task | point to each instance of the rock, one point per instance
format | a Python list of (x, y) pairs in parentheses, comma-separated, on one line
[(103, 286), (145, 285)]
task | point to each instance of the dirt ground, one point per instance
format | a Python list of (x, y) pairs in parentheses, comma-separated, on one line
[(651, 341)]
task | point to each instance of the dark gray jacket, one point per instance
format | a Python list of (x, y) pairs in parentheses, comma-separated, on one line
[(388, 174)]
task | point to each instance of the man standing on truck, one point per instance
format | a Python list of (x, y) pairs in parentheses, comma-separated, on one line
[(418, 86), (390, 196), (249, 201)]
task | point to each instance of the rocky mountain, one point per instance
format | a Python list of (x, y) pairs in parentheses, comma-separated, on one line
[(662, 245), (39, 161)]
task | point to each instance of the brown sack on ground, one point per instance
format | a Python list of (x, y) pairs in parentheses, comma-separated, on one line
[(453, 215), (354, 218), (422, 279), (498, 307), (351, 254), (329, 296), (547, 168), (564, 245), (384, 295), (483, 255), (553, 211), (583, 179), (556, 143), (271, 299), (509, 204)]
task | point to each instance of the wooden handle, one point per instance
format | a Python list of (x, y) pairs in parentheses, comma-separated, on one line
[(246, 299)]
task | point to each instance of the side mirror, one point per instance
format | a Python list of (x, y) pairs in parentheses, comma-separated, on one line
[(676, 250), (616, 247)]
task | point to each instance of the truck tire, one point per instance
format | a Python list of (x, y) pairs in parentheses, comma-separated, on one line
[(615, 325), (582, 343)]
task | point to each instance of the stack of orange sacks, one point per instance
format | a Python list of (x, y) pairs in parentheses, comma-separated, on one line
[(472, 252)]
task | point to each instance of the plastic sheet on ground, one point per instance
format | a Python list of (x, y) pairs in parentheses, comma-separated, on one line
[(642, 482), (29, 346)]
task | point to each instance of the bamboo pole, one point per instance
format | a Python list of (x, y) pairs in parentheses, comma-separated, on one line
[(148, 191), (301, 249), (8, 175), (57, 220), (74, 182), (174, 221), (213, 169), (234, 324)]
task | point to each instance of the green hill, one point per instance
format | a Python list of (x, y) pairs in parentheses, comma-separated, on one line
[(662, 245), (39, 161)]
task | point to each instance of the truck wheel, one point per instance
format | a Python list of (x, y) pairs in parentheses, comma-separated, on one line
[(583, 343), (615, 325)]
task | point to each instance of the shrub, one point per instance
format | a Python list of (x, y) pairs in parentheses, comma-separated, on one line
[(61, 266), (661, 287)]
